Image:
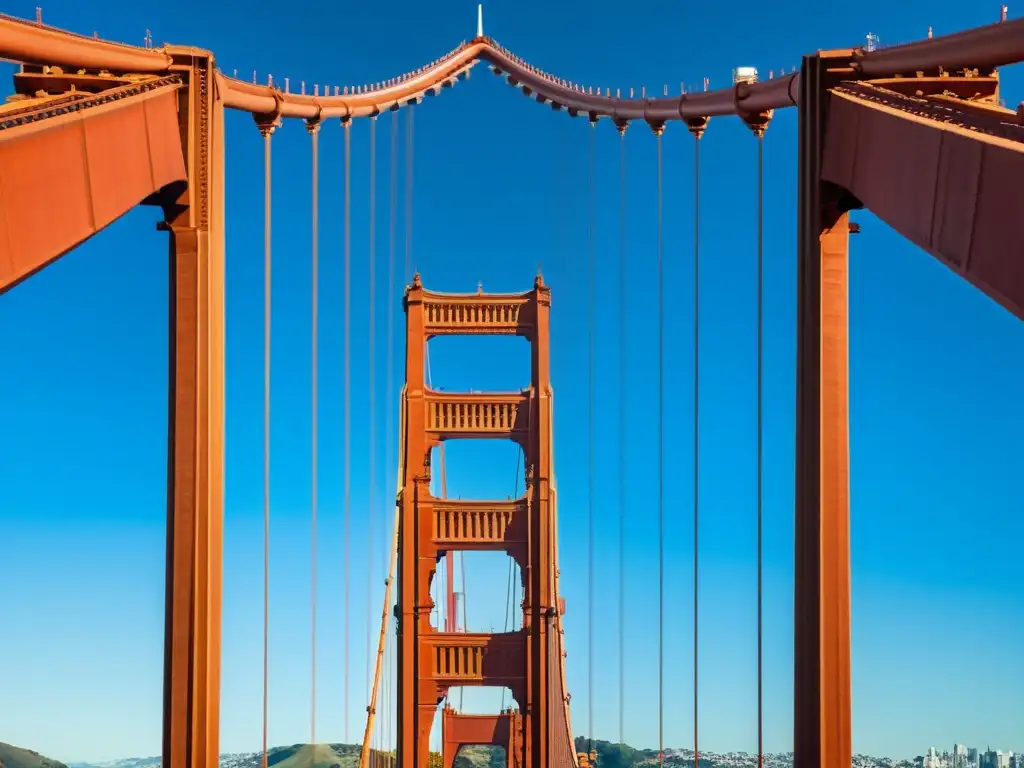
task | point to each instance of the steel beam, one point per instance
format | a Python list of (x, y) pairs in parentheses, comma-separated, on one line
[(195, 221), (821, 706)]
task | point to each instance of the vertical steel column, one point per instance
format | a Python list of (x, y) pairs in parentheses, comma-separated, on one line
[(821, 717), (540, 618), (195, 494), (413, 597)]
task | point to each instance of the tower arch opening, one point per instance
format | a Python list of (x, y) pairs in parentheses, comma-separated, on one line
[(477, 591), (452, 363)]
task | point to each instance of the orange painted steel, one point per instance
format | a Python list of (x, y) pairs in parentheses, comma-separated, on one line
[(33, 43), (411, 88), (195, 515), (154, 133), (821, 637), (944, 174), (993, 45), (528, 661), (99, 156), (501, 730)]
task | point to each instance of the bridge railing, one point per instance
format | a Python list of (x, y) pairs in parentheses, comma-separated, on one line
[(477, 314)]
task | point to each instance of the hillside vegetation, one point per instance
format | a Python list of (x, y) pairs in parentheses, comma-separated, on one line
[(16, 757)]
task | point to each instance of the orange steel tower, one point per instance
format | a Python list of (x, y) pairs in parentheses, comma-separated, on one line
[(526, 661)]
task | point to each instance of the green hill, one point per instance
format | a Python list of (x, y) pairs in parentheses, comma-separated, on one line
[(347, 756), (480, 757), (15, 757)]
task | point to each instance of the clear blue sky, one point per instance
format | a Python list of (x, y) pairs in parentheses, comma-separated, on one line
[(501, 185)]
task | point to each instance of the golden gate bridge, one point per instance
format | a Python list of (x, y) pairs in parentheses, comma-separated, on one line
[(915, 133)]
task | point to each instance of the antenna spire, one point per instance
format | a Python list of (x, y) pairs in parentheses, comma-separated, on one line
[(480, 20)]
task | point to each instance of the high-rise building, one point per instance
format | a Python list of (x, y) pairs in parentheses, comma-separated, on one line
[(959, 756)]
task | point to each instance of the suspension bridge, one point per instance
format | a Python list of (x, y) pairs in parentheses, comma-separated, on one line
[(915, 133)]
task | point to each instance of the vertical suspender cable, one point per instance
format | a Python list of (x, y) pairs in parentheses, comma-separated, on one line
[(408, 192), (696, 445), (591, 452), (348, 398), (409, 126), (266, 433), (389, 438), (465, 624), (390, 370), (511, 590), (372, 365), (760, 450), (314, 131), (623, 273), (661, 463)]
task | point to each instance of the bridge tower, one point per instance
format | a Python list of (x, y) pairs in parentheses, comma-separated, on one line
[(527, 661)]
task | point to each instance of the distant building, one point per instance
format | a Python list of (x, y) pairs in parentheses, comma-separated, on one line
[(995, 759)]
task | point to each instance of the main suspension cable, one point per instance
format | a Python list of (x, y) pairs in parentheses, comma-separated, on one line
[(591, 453), (347, 127), (372, 364), (314, 132), (760, 450), (267, 132), (623, 274), (661, 460), (696, 445)]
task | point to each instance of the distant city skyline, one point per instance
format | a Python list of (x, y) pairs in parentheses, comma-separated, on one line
[(964, 756), (500, 184)]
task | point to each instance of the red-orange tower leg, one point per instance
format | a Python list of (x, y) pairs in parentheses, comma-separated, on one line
[(822, 737), (195, 222), (430, 662)]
